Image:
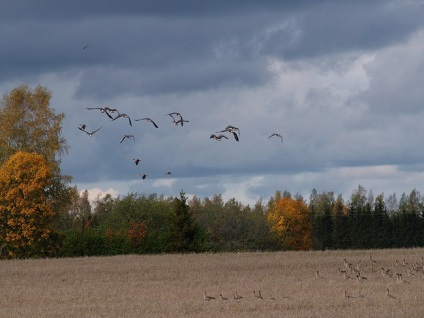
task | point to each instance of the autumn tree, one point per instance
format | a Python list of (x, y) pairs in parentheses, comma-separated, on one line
[(28, 123), (291, 221), (25, 208)]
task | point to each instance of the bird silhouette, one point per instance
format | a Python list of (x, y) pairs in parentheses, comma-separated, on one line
[(231, 129), (218, 138), (168, 173), (127, 137), (149, 120), (276, 135), (90, 133), (124, 116), (136, 161), (143, 176), (106, 110), (179, 121)]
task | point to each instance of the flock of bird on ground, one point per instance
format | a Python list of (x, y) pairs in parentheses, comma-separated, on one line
[(354, 271), (177, 119)]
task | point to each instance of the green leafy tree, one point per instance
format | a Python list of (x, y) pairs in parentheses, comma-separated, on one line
[(26, 211)]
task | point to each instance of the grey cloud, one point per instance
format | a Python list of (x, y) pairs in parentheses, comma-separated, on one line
[(337, 27)]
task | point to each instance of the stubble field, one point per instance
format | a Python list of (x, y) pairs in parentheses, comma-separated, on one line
[(292, 284)]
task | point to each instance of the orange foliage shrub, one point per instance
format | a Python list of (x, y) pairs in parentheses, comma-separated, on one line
[(25, 209), (137, 232)]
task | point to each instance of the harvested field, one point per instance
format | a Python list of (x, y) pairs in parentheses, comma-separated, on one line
[(292, 284)]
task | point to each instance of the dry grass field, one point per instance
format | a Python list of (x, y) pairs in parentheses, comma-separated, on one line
[(292, 284)]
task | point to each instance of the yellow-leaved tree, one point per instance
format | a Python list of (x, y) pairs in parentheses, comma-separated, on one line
[(26, 209), (290, 219)]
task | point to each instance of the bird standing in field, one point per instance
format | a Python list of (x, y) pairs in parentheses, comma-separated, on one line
[(276, 135), (149, 120)]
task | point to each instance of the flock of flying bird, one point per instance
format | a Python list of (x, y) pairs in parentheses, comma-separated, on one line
[(177, 119)]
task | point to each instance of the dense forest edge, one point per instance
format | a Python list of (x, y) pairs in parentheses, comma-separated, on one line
[(42, 215)]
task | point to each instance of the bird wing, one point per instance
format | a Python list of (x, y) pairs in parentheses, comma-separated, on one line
[(235, 136), (109, 115), (96, 130)]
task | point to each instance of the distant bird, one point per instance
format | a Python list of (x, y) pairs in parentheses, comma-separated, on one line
[(149, 120), (82, 127), (127, 137), (136, 161), (85, 47), (231, 129), (123, 115), (237, 296), (90, 133), (218, 138), (179, 121), (168, 173), (208, 298), (277, 135), (143, 176), (105, 110)]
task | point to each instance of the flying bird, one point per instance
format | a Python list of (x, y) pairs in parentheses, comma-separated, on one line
[(149, 120), (90, 133), (277, 135), (136, 161), (179, 121), (127, 136), (218, 138), (168, 173), (85, 47), (82, 127), (106, 110), (123, 115), (143, 176), (231, 129)]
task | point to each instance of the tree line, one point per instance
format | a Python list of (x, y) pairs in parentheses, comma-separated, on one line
[(42, 215)]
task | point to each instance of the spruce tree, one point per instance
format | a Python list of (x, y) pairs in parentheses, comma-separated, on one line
[(183, 227)]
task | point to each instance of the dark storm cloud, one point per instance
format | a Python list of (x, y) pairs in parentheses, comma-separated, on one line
[(334, 27), (329, 75), (166, 46)]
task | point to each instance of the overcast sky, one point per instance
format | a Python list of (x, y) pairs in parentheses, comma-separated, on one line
[(341, 81)]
